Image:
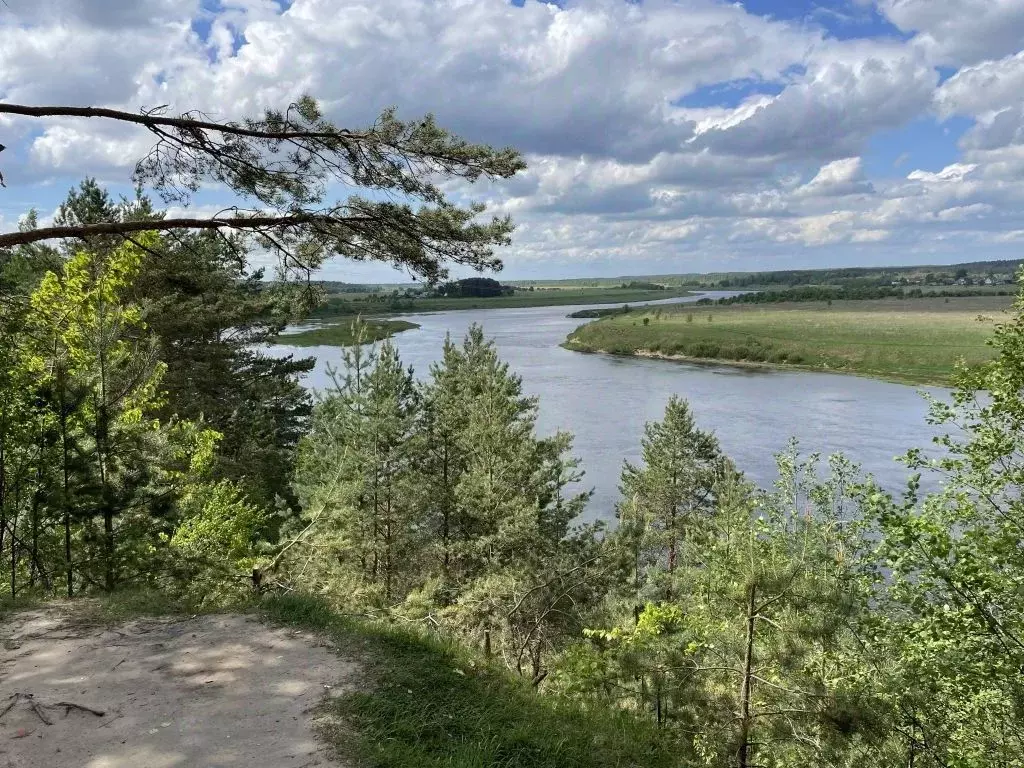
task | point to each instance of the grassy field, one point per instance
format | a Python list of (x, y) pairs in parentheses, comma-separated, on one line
[(343, 334), (341, 305), (913, 341)]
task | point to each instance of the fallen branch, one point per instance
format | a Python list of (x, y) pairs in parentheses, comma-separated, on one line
[(69, 705), (37, 707), (9, 707), (34, 705)]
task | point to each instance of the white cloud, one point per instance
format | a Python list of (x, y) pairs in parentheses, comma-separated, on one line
[(955, 172), (963, 212), (990, 92), (983, 88), (848, 94), (598, 93), (956, 32), (838, 178)]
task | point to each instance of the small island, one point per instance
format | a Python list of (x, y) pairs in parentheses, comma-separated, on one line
[(913, 341), (344, 334)]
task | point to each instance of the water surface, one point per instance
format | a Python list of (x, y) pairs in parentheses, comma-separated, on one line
[(604, 400)]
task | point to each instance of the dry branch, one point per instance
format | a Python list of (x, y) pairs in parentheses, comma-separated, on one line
[(38, 707)]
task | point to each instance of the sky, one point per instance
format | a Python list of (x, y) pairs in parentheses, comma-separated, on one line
[(662, 136)]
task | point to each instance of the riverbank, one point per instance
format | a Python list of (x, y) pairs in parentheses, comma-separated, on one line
[(343, 334), (908, 341), (349, 305)]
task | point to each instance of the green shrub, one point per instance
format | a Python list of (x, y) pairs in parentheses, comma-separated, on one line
[(213, 549)]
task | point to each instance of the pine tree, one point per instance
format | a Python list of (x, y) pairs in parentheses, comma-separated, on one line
[(948, 640), (773, 592), (442, 423), (19, 437), (750, 656), (107, 472), (103, 356), (360, 532), (211, 315), (668, 498), (393, 477), (520, 578), (26, 431)]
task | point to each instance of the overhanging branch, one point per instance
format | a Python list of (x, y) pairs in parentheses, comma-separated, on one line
[(253, 223), (152, 119), (287, 160)]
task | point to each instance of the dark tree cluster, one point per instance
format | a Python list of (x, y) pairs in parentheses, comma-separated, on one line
[(473, 287)]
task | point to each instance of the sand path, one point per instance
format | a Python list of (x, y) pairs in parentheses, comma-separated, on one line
[(221, 691)]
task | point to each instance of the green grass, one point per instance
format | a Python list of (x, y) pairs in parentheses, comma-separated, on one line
[(915, 341), (427, 703), (340, 305), (342, 335)]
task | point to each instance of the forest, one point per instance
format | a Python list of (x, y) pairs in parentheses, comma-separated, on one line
[(147, 442), (850, 293)]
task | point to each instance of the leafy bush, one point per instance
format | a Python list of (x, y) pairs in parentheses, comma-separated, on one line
[(214, 547)]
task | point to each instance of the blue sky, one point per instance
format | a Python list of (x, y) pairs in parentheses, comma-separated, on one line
[(661, 135)]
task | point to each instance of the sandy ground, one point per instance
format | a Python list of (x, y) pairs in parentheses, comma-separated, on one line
[(207, 691)]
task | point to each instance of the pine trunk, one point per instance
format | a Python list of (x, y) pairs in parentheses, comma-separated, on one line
[(745, 688), (66, 470), (3, 490)]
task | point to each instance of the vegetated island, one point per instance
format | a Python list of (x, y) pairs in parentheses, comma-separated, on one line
[(344, 334), (603, 311), (914, 341)]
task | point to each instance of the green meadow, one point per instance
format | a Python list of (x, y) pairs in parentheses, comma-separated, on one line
[(913, 341)]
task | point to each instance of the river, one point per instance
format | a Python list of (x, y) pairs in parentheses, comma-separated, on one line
[(605, 400)]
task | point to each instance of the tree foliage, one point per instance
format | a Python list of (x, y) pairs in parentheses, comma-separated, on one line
[(954, 599), (145, 439), (282, 167), (90, 473), (209, 316)]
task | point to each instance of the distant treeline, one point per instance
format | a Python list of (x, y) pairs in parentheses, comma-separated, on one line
[(372, 304), (866, 275), (848, 293), (335, 286)]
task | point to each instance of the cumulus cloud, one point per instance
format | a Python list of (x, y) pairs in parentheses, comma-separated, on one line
[(673, 134), (985, 87), (596, 78), (838, 178), (989, 92), (957, 32), (840, 102)]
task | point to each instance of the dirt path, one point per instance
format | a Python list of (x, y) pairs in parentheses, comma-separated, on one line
[(220, 691)]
